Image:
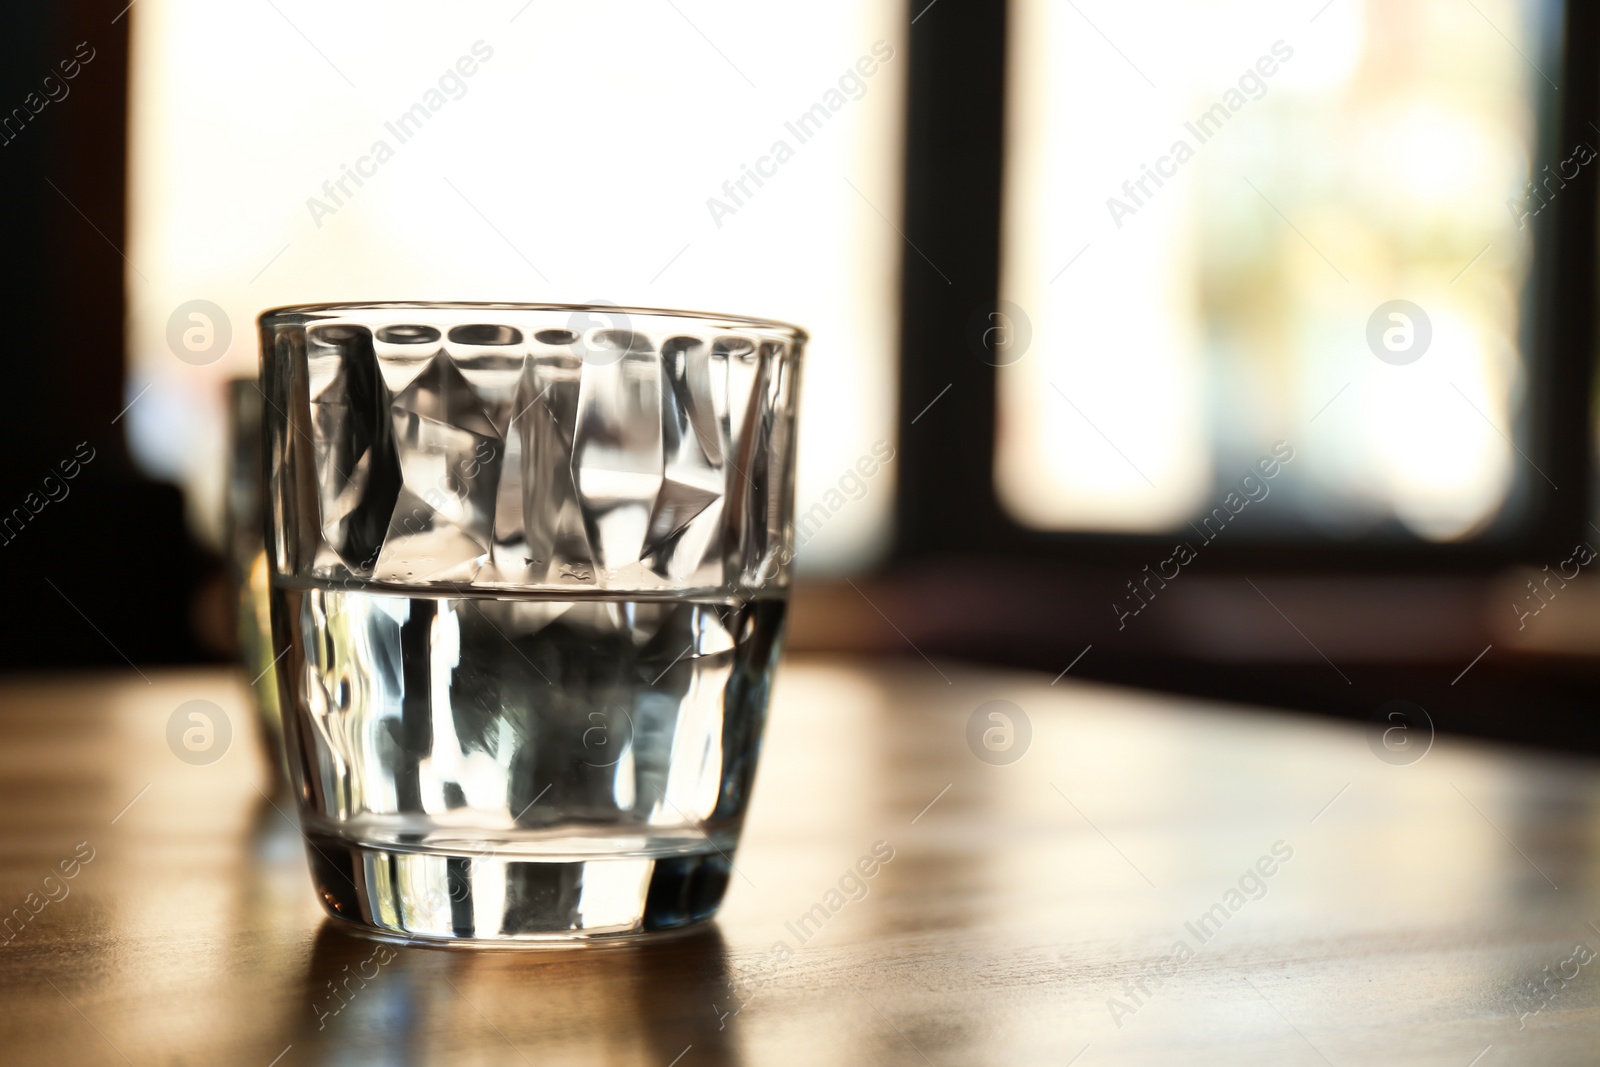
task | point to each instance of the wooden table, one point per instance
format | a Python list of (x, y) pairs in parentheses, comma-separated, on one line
[(1032, 913)]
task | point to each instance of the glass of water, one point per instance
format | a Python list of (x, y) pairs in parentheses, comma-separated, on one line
[(528, 565), (247, 565)]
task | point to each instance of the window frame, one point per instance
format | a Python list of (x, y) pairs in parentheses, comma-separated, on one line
[(946, 502)]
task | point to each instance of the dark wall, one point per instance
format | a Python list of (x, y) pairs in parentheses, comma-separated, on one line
[(99, 567)]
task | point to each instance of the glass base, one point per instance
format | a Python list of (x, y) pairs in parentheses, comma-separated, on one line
[(470, 898)]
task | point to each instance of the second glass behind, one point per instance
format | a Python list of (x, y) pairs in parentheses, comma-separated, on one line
[(529, 568)]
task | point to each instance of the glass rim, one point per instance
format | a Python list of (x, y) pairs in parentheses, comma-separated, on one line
[(287, 311)]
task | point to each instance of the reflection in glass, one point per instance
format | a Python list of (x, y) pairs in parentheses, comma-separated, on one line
[(247, 562)]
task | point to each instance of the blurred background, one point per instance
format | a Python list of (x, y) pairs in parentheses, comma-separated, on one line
[(1250, 359)]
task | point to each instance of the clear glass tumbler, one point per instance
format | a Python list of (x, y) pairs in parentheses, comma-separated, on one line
[(529, 566), (245, 536)]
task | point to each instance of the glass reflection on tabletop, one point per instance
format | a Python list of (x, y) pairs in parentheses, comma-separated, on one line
[(390, 1001)]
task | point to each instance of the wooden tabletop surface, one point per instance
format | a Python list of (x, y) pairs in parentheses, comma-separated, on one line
[(1126, 879)]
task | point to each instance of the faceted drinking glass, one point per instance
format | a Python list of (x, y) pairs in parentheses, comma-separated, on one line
[(245, 536), (528, 567)]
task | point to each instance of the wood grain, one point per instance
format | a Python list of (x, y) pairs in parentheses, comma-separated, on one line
[(1031, 912)]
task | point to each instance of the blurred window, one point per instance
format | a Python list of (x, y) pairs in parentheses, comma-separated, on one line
[(1230, 223)]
